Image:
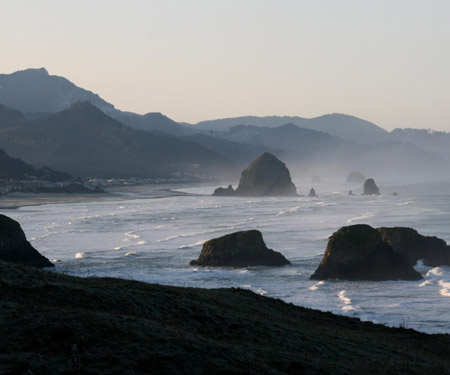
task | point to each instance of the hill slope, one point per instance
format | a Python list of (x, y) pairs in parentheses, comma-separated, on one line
[(128, 327), (83, 141), (10, 117), (17, 169)]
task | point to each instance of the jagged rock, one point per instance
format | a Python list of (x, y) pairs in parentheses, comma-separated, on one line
[(221, 192), (15, 248), (239, 249), (266, 176), (356, 177), (358, 252), (312, 193), (413, 246), (316, 179), (370, 187)]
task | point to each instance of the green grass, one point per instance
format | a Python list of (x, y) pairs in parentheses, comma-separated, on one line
[(129, 327)]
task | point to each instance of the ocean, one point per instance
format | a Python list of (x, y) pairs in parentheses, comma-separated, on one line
[(152, 232)]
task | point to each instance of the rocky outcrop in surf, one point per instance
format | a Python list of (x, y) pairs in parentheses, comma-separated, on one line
[(414, 246), (358, 252), (239, 249), (221, 192), (15, 248), (370, 187), (312, 193), (265, 176)]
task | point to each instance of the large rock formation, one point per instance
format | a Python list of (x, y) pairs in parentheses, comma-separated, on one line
[(14, 246), (358, 252), (356, 177), (239, 249), (413, 246), (265, 176), (370, 187)]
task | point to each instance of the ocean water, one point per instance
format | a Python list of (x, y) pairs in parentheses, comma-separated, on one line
[(152, 233)]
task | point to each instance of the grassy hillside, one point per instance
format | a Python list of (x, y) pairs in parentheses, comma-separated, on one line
[(128, 327)]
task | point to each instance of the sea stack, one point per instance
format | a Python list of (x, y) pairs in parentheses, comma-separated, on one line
[(356, 177), (312, 193), (265, 176), (15, 248), (221, 192), (239, 249), (370, 187), (414, 246), (358, 252)]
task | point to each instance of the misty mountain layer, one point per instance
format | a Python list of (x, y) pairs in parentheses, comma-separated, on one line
[(98, 140)]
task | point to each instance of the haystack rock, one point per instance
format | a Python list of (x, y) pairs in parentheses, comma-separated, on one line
[(356, 177), (15, 248), (414, 246), (358, 252), (370, 187), (265, 176), (312, 193), (239, 249)]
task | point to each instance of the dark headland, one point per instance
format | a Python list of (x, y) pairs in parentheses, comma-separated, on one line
[(129, 327)]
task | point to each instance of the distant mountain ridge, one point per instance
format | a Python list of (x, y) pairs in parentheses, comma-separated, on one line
[(340, 125), (35, 91), (90, 137), (84, 141)]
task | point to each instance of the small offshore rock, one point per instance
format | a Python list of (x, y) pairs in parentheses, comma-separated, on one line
[(221, 192), (312, 193)]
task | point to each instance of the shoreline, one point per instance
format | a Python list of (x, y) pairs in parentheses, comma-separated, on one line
[(15, 201)]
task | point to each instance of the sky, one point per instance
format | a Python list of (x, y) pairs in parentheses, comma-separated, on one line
[(384, 61)]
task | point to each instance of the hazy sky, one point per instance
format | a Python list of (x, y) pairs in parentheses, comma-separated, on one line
[(384, 61)]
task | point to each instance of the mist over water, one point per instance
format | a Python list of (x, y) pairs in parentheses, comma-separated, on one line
[(151, 236)]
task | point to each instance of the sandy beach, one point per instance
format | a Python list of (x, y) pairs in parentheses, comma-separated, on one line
[(17, 200)]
